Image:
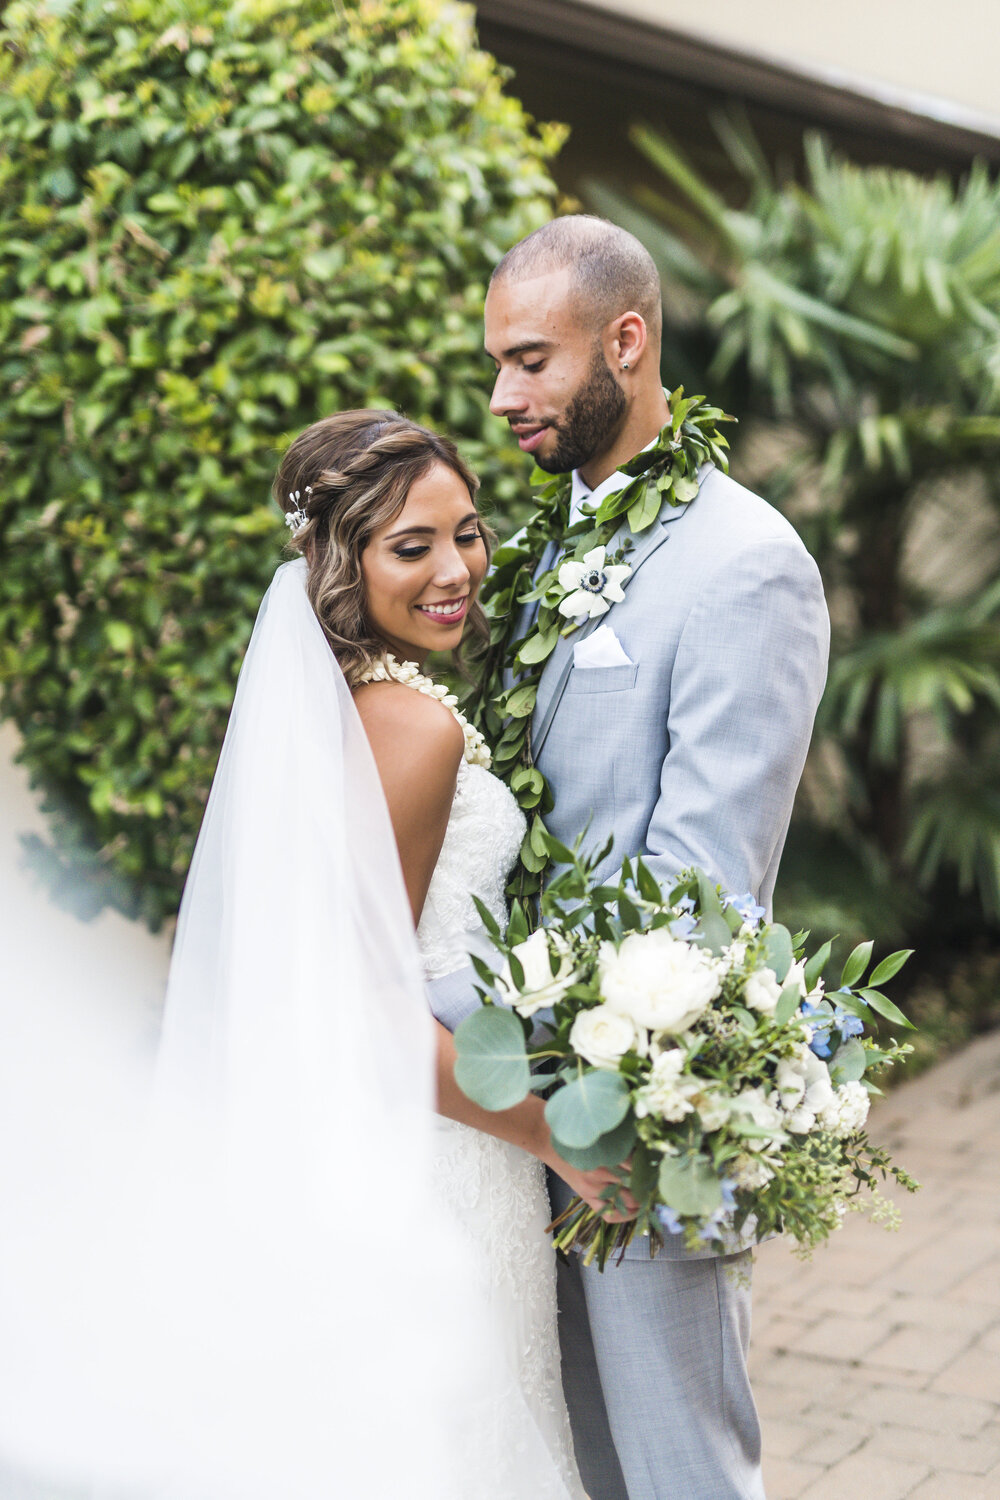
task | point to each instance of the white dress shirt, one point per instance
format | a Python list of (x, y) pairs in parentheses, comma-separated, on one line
[(582, 493)]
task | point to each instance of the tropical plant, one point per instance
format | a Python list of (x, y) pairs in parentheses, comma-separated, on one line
[(217, 223), (862, 311)]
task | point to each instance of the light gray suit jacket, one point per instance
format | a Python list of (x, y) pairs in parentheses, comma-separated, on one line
[(692, 754)]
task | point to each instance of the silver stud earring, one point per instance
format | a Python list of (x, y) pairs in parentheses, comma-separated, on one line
[(625, 365)]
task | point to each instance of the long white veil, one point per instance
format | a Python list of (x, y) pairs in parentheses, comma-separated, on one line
[(242, 1288)]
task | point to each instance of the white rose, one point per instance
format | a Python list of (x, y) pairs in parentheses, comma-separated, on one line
[(762, 991), (602, 1036), (657, 980), (542, 987), (847, 1110)]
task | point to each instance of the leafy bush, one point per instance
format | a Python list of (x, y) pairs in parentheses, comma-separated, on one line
[(217, 223)]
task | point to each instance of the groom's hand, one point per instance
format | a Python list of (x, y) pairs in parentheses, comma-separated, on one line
[(600, 1189)]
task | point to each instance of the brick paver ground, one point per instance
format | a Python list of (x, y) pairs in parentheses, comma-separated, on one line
[(877, 1364)]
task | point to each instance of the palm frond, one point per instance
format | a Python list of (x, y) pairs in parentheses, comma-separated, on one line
[(942, 664), (956, 833)]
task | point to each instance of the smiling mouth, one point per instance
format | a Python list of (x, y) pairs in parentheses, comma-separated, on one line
[(529, 436), (447, 611)]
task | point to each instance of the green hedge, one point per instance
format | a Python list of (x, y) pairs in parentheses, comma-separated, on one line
[(216, 224)]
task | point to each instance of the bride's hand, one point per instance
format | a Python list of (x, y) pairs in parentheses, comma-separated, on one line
[(593, 1187)]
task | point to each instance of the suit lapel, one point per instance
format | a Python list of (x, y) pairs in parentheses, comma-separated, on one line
[(560, 663)]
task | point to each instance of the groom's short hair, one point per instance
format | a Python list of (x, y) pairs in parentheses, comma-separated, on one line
[(612, 271)]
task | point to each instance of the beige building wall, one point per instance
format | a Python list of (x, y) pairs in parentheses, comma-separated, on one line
[(112, 964), (949, 56)]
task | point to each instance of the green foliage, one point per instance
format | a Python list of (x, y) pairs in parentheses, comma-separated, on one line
[(492, 1062), (217, 223), (587, 1108), (861, 311)]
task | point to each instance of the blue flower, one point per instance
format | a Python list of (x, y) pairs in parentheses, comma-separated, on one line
[(682, 927), (847, 1024), (712, 1226), (745, 905), (719, 1220), (669, 1219), (839, 1020), (686, 903)]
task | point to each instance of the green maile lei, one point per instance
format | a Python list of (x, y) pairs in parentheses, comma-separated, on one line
[(664, 474)]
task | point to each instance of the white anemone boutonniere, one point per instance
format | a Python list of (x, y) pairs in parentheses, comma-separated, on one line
[(591, 585)]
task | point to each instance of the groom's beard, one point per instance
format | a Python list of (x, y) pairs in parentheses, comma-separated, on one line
[(589, 422)]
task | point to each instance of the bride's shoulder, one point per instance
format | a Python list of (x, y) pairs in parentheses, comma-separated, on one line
[(397, 718)]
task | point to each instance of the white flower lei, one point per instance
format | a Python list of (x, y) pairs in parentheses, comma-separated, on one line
[(388, 669)]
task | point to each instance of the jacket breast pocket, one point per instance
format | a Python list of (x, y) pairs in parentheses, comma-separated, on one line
[(602, 679)]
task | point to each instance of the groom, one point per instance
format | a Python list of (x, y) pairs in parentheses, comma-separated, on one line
[(681, 729)]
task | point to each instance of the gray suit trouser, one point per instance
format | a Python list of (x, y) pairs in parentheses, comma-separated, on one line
[(654, 1368)]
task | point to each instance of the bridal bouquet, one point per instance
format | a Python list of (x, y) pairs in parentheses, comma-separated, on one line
[(683, 1039)]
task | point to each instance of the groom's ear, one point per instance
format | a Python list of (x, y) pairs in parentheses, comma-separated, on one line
[(629, 341)]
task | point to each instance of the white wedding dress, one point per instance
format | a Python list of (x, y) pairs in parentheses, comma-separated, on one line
[(496, 1192)]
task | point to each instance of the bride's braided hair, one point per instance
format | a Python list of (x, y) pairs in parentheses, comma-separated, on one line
[(352, 472)]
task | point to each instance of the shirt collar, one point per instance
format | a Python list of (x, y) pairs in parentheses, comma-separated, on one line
[(581, 491)]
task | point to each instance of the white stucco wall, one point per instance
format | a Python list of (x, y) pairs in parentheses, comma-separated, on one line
[(111, 963), (949, 55)]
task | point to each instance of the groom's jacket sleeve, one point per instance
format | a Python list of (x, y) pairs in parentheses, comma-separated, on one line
[(746, 681), (453, 996)]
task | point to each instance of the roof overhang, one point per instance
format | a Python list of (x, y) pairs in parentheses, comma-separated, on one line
[(617, 44)]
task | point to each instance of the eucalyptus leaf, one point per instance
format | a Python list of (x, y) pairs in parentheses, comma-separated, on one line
[(713, 930), (708, 895), (847, 1065), (778, 951), (690, 1185), (609, 1150), (582, 1111), (491, 1065)]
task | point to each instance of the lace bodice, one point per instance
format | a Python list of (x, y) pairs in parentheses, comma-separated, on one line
[(480, 846)]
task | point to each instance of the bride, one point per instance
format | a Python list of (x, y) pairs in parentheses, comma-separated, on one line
[(310, 1266), (384, 514)]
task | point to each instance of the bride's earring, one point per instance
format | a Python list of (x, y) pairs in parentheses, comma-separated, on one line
[(625, 365)]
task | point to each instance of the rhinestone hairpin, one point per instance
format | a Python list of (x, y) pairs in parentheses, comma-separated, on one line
[(297, 517)]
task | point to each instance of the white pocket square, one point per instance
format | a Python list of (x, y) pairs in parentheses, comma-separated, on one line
[(600, 649)]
